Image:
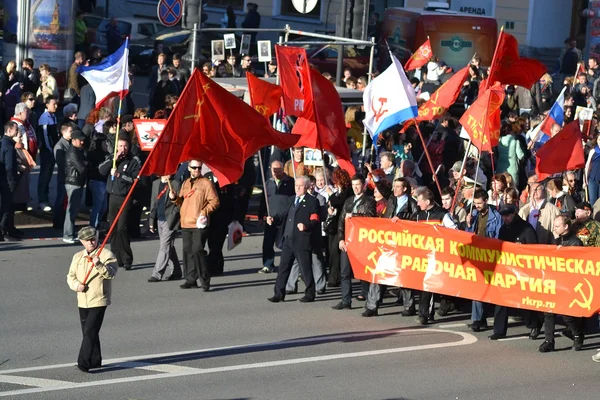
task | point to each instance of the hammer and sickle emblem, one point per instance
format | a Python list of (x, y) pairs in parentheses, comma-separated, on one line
[(199, 103), (262, 109), (379, 114), (374, 271), (587, 301)]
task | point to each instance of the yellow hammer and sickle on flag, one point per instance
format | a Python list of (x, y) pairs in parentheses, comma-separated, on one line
[(262, 109), (587, 301), (199, 103)]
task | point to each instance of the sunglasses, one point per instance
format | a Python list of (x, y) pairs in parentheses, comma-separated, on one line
[(31, 99), (193, 167)]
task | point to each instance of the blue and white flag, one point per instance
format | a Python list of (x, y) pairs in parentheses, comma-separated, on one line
[(389, 100), (111, 77)]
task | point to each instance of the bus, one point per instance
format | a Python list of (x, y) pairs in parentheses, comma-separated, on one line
[(455, 36)]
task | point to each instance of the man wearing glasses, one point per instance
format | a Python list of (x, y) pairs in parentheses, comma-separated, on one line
[(245, 66), (197, 199), (93, 294)]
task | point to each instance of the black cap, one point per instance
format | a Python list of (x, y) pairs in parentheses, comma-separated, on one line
[(78, 134), (584, 205), (126, 118), (507, 209)]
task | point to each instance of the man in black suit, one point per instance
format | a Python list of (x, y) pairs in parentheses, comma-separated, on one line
[(400, 206), (300, 232), (164, 219)]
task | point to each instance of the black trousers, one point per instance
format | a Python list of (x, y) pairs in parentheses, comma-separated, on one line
[(334, 277), (426, 305), (217, 233), (269, 238), (532, 319), (304, 257), (91, 319), (194, 257), (120, 243), (7, 214), (573, 323)]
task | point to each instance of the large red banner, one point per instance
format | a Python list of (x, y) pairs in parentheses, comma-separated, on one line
[(419, 256)]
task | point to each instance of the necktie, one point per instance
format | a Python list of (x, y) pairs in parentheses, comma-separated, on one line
[(296, 202)]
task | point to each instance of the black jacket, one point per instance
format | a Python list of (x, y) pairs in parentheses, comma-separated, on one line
[(96, 156), (566, 205), (407, 210), (366, 207), (519, 231), (570, 239), (8, 164), (171, 209), (224, 214), (434, 216), (307, 213), (76, 166), (278, 196), (128, 168)]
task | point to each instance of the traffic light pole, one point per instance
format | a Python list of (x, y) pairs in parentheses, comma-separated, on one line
[(194, 36), (340, 57)]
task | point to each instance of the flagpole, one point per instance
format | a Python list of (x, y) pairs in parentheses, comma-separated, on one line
[(123, 72), (262, 168), (475, 184), (135, 182), (277, 82), (462, 168), (437, 183), (370, 78), (575, 76), (487, 81)]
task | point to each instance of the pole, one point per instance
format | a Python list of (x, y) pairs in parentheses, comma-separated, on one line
[(194, 36), (123, 72), (462, 168), (437, 183), (487, 82), (428, 142), (277, 83), (262, 173), (369, 78), (475, 184), (340, 57)]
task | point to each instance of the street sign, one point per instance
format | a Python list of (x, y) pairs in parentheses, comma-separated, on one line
[(169, 12), (304, 6)]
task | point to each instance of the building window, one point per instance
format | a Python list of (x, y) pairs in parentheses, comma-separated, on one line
[(236, 4), (287, 8)]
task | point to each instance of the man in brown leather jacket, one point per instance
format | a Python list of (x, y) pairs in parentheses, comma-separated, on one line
[(196, 200)]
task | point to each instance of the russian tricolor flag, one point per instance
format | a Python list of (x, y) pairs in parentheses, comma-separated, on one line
[(555, 116), (111, 77)]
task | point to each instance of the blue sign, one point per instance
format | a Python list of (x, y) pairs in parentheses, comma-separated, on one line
[(169, 12)]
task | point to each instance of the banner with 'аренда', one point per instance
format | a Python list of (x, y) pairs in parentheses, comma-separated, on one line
[(445, 261)]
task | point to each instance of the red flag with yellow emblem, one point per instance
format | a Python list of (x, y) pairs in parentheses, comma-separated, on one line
[(482, 119), (420, 57), (265, 97), (444, 97), (294, 74), (214, 126)]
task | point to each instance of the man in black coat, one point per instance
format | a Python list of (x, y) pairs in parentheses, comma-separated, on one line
[(514, 230), (219, 225), (75, 178), (8, 181), (300, 232), (252, 21), (562, 227), (279, 188), (359, 205)]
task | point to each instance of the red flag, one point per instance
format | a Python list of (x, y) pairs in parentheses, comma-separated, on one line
[(510, 69), (482, 119), (294, 74), (214, 126), (444, 97), (265, 97), (328, 131), (563, 152), (420, 57)]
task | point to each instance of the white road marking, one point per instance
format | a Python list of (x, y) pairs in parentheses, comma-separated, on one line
[(447, 326), (185, 371), (27, 381), (513, 338)]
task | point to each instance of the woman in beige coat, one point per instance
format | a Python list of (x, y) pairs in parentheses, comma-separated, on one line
[(93, 294)]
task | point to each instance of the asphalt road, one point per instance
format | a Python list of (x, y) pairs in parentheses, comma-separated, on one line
[(161, 342)]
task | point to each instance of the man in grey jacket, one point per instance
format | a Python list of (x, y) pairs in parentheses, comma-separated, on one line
[(60, 153)]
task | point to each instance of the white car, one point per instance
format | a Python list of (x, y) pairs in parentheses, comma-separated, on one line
[(133, 28)]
